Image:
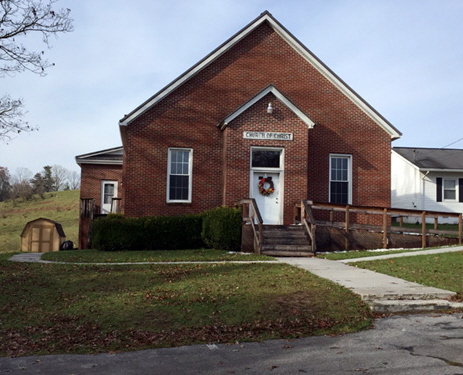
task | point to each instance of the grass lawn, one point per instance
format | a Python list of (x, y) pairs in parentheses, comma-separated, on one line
[(353, 254), (417, 225), (52, 308), (438, 270), (59, 206), (198, 255)]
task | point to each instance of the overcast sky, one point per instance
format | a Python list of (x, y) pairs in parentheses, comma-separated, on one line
[(404, 57)]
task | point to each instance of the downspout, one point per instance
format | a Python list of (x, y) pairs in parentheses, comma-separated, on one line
[(423, 191)]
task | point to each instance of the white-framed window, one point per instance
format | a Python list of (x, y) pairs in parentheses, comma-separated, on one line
[(449, 187), (108, 192), (340, 188), (266, 157), (179, 175)]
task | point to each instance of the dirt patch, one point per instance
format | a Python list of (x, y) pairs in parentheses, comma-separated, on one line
[(297, 304)]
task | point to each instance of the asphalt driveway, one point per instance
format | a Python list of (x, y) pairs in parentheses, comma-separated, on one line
[(412, 344)]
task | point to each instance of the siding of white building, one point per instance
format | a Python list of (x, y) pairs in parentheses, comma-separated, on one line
[(405, 184), (412, 188)]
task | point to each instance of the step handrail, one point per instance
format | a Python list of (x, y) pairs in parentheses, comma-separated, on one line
[(252, 216), (308, 222)]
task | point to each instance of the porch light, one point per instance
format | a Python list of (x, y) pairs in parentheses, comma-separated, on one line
[(270, 108)]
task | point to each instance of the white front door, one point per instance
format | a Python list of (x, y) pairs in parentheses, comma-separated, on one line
[(108, 192), (269, 203)]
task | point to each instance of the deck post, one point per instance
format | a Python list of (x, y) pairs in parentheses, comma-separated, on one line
[(347, 223), (460, 228), (385, 241), (303, 213), (423, 229)]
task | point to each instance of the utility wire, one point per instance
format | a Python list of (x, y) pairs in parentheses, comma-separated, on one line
[(458, 140)]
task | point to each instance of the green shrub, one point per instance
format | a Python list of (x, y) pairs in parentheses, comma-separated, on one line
[(222, 228), (219, 228), (173, 232), (117, 232)]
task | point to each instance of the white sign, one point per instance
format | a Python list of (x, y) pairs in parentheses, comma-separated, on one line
[(268, 136)]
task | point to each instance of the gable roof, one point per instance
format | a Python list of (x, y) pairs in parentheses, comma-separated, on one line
[(109, 156), (266, 17), (58, 226), (277, 93), (433, 159)]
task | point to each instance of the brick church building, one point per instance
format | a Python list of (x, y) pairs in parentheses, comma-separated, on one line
[(260, 116)]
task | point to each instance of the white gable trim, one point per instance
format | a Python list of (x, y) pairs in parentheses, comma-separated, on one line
[(86, 158), (294, 43), (441, 170), (270, 89), (195, 69)]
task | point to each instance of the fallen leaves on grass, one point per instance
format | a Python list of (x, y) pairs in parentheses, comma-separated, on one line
[(69, 335)]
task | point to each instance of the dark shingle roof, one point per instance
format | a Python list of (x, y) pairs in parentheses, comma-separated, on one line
[(433, 158)]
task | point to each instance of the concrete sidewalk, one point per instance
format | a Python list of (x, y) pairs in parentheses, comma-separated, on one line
[(382, 292), (26, 257), (406, 254)]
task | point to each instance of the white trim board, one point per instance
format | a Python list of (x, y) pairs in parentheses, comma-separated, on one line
[(296, 45)]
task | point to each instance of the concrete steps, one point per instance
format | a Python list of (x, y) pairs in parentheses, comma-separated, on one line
[(396, 306), (286, 241), (416, 302), (383, 293)]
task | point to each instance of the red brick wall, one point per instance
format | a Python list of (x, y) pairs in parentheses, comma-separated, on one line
[(295, 152), (90, 187), (189, 115), (93, 174)]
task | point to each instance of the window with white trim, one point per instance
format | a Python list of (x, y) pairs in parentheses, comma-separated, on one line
[(179, 175), (340, 179), (266, 157), (450, 189)]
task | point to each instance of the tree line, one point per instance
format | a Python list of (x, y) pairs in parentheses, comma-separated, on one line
[(24, 185)]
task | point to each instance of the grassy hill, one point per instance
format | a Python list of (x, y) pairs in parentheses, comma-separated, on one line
[(59, 206)]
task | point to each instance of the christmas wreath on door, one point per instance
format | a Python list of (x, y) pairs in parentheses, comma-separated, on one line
[(270, 189)]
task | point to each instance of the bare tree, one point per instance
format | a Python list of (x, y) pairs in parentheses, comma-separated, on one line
[(19, 18), (11, 118), (22, 174), (74, 180), (21, 187), (60, 175)]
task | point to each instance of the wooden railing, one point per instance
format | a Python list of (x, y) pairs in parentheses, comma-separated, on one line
[(87, 207), (386, 214), (251, 215), (116, 205), (308, 221)]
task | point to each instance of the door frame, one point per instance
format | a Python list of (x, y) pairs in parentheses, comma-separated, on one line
[(263, 170), (103, 183)]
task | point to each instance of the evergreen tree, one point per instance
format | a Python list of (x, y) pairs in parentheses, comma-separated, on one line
[(5, 186), (48, 180), (38, 184)]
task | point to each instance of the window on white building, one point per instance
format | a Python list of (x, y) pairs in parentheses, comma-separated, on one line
[(450, 189)]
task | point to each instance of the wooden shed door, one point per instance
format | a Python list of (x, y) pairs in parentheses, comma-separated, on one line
[(42, 239)]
